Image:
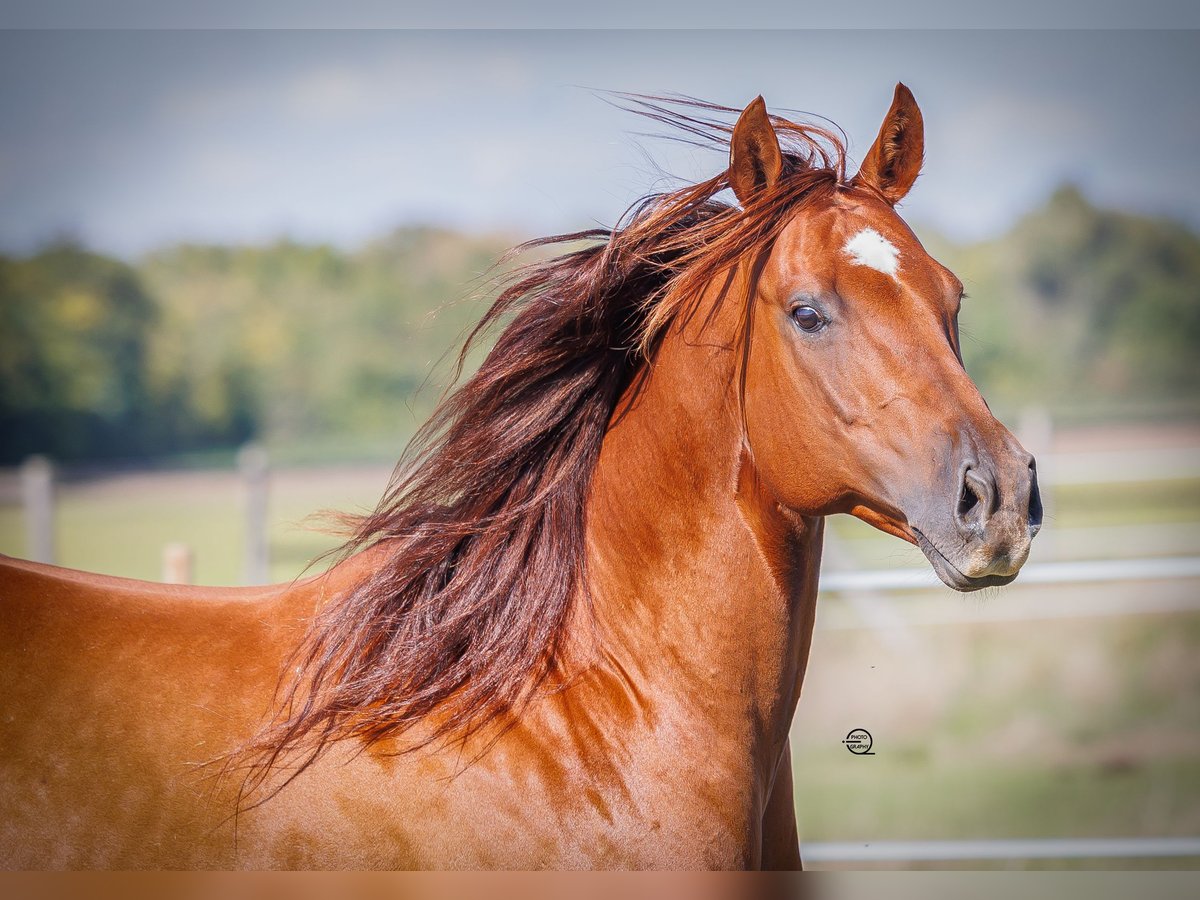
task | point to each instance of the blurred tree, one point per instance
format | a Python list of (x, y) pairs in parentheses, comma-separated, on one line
[(74, 328), (1079, 306), (205, 346), (332, 343), (77, 332)]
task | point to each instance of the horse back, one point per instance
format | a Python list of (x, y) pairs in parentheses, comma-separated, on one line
[(116, 693)]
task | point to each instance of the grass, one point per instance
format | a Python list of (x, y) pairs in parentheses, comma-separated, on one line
[(1125, 504), (119, 525), (895, 796), (1084, 727)]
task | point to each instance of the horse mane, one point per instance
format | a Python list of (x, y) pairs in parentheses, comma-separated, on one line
[(484, 520)]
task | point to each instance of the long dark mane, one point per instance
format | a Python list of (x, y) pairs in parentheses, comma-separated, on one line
[(484, 520)]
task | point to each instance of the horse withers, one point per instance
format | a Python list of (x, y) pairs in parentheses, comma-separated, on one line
[(574, 630)]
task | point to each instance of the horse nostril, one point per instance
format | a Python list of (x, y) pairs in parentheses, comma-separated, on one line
[(1035, 501), (974, 500), (967, 500)]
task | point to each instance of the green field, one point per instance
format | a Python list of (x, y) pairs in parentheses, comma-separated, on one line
[(1078, 727), (120, 524)]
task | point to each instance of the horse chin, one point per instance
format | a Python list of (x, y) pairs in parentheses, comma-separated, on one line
[(950, 574)]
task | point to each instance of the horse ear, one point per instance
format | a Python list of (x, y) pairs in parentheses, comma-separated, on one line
[(755, 160), (894, 160)]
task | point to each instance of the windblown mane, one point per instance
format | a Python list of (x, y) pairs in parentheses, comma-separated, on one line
[(485, 517)]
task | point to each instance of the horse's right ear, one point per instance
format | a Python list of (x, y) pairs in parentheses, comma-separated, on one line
[(755, 160), (894, 160)]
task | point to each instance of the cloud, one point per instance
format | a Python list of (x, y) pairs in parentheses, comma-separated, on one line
[(140, 136), (329, 94)]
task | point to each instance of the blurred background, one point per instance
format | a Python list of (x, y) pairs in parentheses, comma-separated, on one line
[(230, 263)]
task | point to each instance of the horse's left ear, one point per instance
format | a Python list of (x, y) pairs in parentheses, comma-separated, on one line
[(755, 160), (894, 160)]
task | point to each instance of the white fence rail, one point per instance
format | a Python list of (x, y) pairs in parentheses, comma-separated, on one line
[(971, 851), (1072, 572)]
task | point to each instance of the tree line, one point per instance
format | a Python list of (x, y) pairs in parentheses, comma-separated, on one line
[(198, 347)]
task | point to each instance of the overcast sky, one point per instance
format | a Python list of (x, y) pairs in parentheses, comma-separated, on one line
[(131, 140)]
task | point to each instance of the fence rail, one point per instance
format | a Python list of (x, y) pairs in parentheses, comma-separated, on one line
[(1073, 572), (970, 851)]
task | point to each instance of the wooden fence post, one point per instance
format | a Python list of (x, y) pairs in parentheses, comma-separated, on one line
[(37, 498), (177, 564), (252, 462)]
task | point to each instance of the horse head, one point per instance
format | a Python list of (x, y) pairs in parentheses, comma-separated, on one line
[(856, 397)]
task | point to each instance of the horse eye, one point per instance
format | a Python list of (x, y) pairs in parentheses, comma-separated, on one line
[(808, 318)]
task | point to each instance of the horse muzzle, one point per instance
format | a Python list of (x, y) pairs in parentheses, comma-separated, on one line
[(983, 537)]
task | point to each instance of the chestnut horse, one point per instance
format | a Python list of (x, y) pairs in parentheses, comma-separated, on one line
[(573, 632)]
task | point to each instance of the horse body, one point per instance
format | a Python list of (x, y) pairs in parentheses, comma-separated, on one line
[(691, 489)]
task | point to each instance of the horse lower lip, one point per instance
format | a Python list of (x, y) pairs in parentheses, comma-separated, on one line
[(950, 574)]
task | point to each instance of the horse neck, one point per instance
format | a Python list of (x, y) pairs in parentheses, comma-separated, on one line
[(703, 588)]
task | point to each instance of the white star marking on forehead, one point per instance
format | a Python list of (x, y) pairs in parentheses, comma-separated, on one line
[(870, 248)]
